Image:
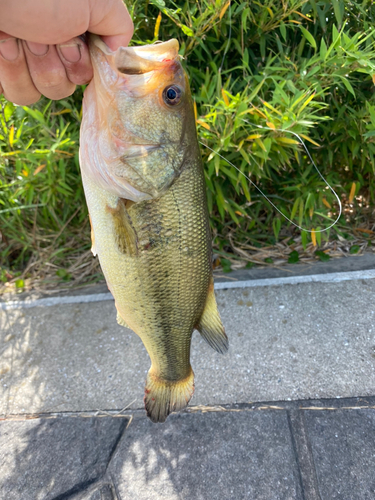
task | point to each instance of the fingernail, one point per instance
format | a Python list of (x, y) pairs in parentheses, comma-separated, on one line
[(38, 49), (70, 52), (9, 49)]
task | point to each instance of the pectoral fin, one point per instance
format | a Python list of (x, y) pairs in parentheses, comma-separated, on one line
[(124, 232), (210, 325)]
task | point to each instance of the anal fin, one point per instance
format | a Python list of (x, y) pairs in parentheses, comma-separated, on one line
[(210, 326)]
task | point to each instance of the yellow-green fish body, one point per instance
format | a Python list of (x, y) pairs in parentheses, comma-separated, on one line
[(148, 210)]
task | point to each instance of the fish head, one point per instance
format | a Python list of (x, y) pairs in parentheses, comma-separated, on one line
[(138, 122)]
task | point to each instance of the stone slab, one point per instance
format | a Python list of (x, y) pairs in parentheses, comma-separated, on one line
[(312, 340), (343, 447), (98, 492), (235, 456), (51, 458)]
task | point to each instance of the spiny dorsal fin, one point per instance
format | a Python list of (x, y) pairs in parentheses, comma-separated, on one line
[(210, 325), (124, 232)]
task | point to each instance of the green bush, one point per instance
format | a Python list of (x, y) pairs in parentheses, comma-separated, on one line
[(259, 72)]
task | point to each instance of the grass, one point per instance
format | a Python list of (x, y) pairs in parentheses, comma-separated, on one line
[(260, 73)]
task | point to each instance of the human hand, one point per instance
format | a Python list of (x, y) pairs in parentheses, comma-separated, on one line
[(40, 48)]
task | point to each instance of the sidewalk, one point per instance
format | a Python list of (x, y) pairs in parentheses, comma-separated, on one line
[(288, 413)]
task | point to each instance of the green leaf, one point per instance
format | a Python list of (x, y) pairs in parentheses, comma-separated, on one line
[(293, 257), (347, 84), (187, 31), (354, 249), (158, 3), (20, 283), (300, 212), (310, 201), (323, 49), (304, 239), (324, 257), (276, 225), (308, 37), (283, 30), (335, 35), (268, 260), (262, 44), (36, 114), (63, 274), (226, 265), (9, 110), (338, 7), (295, 208), (220, 201)]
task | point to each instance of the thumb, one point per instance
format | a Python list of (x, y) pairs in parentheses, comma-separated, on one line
[(111, 20)]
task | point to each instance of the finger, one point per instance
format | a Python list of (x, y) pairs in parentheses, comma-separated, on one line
[(114, 42), (75, 57), (45, 21), (112, 22), (47, 71), (17, 85)]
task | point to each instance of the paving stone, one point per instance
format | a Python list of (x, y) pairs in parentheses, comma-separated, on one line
[(306, 341), (51, 458), (103, 492), (343, 447), (199, 456)]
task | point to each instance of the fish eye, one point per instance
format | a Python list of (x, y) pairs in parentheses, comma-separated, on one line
[(172, 95)]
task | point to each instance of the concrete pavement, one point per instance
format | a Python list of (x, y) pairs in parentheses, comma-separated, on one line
[(288, 413)]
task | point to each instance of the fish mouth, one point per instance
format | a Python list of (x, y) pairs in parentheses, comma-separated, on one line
[(140, 60)]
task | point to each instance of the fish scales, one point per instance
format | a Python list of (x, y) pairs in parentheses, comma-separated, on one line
[(156, 253)]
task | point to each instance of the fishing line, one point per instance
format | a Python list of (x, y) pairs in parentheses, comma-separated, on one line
[(266, 197)]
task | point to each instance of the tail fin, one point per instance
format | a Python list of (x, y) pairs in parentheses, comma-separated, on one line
[(164, 396)]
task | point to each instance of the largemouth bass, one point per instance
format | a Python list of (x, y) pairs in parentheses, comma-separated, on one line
[(144, 184)]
